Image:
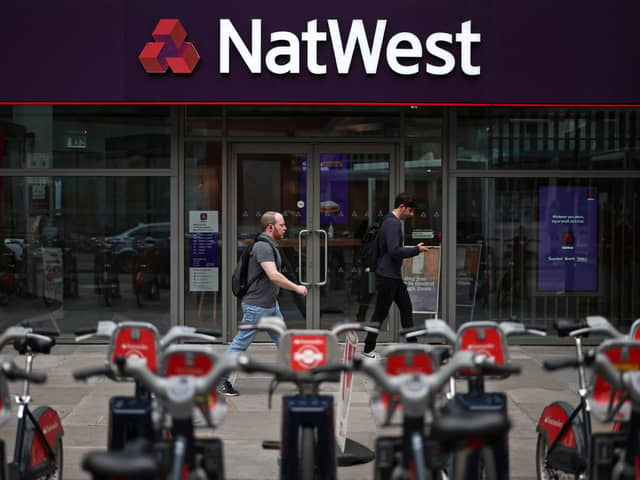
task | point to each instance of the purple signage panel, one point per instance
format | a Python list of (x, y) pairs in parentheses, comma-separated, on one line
[(567, 239), (203, 250), (330, 51)]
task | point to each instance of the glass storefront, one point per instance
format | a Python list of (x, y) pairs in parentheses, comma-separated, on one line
[(96, 201)]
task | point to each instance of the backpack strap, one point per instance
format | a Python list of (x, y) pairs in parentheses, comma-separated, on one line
[(275, 257), (379, 238)]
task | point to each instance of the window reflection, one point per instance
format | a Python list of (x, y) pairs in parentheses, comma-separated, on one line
[(79, 248), (52, 136), (548, 138), (503, 218)]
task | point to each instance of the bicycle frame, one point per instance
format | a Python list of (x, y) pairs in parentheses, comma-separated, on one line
[(570, 444), (34, 453)]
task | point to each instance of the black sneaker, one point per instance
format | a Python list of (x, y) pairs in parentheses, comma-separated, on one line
[(227, 389)]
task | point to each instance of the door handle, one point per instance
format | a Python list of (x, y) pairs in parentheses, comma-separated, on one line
[(326, 257), (302, 282)]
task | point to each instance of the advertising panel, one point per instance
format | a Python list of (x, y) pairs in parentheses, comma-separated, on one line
[(422, 276), (567, 239), (467, 268)]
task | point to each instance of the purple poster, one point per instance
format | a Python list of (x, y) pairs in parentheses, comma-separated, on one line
[(568, 239), (334, 188)]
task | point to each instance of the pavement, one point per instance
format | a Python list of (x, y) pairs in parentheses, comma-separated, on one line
[(83, 409)]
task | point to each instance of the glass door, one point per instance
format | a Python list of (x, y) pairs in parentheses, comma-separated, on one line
[(354, 186), (274, 177), (328, 194)]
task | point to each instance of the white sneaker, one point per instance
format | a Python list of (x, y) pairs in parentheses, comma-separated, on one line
[(369, 354)]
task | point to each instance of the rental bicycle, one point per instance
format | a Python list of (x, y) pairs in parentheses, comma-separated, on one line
[(490, 339), (564, 439), (38, 442), (615, 396), (181, 455), (307, 443), (131, 416), (431, 431)]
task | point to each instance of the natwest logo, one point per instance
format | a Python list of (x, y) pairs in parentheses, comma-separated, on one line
[(169, 49), (405, 53)]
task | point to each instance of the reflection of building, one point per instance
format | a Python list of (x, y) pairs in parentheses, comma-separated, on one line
[(76, 177)]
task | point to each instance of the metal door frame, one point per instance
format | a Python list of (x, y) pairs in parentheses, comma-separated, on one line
[(312, 152)]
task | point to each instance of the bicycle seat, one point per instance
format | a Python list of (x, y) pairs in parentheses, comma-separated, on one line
[(131, 462), (457, 427), (34, 344), (564, 326)]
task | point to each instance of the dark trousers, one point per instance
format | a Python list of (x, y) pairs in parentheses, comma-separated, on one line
[(390, 290)]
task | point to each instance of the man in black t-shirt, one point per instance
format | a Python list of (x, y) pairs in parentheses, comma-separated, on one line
[(389, 284)]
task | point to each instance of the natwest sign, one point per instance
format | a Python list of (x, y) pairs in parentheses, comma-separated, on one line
[(330, 51), (405, 53)]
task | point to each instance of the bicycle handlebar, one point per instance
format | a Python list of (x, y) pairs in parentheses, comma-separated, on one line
[(179, 391), (13, 372), (598, 362), (417, 391), (41, 343), (87, 372), (189, 333), (560, 363)]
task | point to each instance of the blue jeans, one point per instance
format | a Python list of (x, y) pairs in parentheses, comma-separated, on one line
[(252, 314)]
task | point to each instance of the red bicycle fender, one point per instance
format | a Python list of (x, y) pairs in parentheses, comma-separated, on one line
[(51, 426), (551, 421)]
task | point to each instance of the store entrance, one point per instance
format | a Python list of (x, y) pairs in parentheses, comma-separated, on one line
[(328, 194)]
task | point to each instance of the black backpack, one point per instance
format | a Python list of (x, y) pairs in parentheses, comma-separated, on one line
[(239, 282), (368, 253)]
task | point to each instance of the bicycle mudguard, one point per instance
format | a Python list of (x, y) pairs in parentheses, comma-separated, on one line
[(570, 452), (35, 460)]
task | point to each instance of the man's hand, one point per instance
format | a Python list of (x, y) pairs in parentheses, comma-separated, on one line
[(422, 247), (301, 290)]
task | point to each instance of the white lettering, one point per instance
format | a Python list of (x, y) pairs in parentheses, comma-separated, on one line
[(251, 57), (449, 61), (403, 51), (292, 51), (465, 38), (394, 52), (357, 34), (312, 37)]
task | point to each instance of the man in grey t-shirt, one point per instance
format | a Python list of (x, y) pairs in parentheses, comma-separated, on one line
[(261, 299)]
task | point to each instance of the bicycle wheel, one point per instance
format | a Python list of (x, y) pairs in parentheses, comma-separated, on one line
[(57, 475), (543, 471), (307, 459)]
